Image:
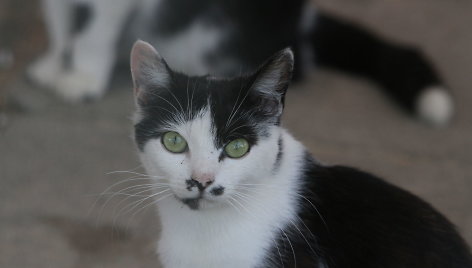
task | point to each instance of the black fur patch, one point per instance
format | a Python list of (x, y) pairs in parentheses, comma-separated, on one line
[(349, 218), (217, 190), (82, 15), (192, 203), (193, 183), (280, 154), (234, 112), (184, 99), (233, 106), (402, 71)]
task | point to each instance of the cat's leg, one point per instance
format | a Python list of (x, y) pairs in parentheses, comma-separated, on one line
[(46, 69), (93, 51), (405, 74)]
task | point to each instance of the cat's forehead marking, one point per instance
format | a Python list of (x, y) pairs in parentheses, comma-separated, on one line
[(236, 108), (201, 141), (199, 130), (226, 104)]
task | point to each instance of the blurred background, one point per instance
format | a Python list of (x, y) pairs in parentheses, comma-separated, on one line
[(56, 157)]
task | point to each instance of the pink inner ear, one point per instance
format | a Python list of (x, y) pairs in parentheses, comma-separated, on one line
[(147, 67), (141, 54)]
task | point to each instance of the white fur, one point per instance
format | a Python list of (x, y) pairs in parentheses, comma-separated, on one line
[(220, 234), (47, 68), (93, 50), (186, 50), (435, 106)]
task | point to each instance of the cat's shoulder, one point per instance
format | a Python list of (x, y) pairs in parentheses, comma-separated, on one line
[(360, 214), (340, 186)]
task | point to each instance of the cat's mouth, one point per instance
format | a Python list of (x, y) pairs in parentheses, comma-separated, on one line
[(198, 202), (192, 203), (203, 195)]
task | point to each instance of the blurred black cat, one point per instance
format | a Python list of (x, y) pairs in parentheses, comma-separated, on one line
[(227, 38)]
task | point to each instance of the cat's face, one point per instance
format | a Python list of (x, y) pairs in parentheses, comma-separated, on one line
[(204, 136)]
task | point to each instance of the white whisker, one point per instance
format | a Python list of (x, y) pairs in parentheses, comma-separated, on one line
[(138, 202), (92, 207), (291, 246), (152, 203)]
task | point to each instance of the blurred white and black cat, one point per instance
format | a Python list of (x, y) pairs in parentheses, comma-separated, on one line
[(227, 38), (240, 191)]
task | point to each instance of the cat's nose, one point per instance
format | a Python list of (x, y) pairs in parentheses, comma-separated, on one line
[(203, 180)]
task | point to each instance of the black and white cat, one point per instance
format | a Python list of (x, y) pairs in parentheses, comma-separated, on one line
[(227, 37), (241, 192)]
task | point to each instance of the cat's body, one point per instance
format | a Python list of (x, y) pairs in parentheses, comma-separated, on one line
[(227, 38), (240, 191), (354, 219)]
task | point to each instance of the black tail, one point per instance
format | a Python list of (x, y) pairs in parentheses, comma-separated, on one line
[(404, 73)]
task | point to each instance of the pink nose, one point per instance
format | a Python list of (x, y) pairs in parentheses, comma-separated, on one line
[(204, 178)]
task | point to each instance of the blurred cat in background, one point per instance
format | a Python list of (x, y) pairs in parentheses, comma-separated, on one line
[(226, 38)]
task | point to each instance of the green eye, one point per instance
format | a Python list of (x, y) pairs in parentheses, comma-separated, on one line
[(237, 148), (174, 142)]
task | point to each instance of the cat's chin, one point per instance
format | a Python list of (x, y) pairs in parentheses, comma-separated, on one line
[(200, 203)]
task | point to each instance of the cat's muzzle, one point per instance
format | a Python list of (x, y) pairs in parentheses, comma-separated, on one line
[(194, 203)]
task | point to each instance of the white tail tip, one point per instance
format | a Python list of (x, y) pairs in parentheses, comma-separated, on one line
[(435, 106)]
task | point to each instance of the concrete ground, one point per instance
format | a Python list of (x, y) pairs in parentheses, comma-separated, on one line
[(54, 157)]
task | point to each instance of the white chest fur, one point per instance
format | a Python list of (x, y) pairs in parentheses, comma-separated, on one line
[(220, 239), (232, 236)]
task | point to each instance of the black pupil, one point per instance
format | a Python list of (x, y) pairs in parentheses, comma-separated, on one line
[(175, 139), (238, 145)]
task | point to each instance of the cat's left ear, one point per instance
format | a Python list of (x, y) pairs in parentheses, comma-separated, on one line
[(272, 81), (148, 70)]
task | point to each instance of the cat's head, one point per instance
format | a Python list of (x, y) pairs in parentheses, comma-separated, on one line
[(207, 136)]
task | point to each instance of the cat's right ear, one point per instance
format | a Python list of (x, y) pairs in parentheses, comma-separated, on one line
[(272, 81), (148, 70)]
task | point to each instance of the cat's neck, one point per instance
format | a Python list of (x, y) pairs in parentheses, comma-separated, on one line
[(250, 224)]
